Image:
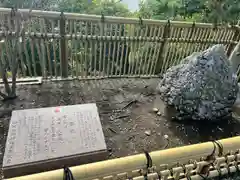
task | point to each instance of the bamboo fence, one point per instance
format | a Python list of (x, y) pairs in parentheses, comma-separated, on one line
[(57, 44), (196, 162)]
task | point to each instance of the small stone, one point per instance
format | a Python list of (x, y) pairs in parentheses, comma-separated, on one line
[(148, 132), (166, 136), (159, 113), (155, 110)]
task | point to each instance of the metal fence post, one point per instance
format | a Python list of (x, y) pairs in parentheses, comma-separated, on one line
[(63, 47)]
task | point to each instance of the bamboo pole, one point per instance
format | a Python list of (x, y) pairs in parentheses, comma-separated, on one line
[(137, 50), (75, 51), (91, 50), (118, 50), (63, 45), (31, 41), (126, 59), (101, 26), (122, 28), (160, 33), (114, 50), (108, 19), (104, 49), (160, 159), (154, 51)]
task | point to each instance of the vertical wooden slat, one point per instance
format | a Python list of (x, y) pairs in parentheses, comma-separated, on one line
[(187, 50), (198, 37), (95, 51), (109, 51), (39, 55), (139, 51), (91, 50), (203, 45), (63, 47), (49, 58), (54, 50), (71, 49), (122, 50), (171, 54), (228, 37), (114, 50), (236, 37), (148, 57), (104, 49), (43, 50), (46, 43), (86, 52), (27, 57), (195, 36), (126, 59), (156, 51), (33, 56), (21, 58), (75, 50), (55, 58), (169, 51), (118, 51), (165, 36), (181, 46), (134, 51), (142, 61), (101, 46), (81, 52)]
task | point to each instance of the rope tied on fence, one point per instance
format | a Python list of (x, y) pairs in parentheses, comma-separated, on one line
[(67, 174), (220, 146), (148, 164)]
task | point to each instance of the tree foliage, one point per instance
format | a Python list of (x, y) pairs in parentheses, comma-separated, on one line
[(213, 11)]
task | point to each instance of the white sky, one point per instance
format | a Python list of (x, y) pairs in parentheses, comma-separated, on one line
[(132, 4)]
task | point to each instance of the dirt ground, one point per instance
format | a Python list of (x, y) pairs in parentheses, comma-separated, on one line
[(125, 108)]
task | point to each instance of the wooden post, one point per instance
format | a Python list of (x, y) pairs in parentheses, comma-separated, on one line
[(63, 47), (160, 57)]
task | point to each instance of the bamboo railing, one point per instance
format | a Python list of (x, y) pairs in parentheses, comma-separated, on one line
[(87, 46), (196, 162)]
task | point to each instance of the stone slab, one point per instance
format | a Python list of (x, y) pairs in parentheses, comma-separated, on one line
[(49, 138)]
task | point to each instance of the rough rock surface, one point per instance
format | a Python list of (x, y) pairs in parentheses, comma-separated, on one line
[(203, 86)]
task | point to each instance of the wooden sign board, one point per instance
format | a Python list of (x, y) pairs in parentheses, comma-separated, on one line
[(49, 138)]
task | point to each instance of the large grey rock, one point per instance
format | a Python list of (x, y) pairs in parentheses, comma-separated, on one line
[(203, 86)]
